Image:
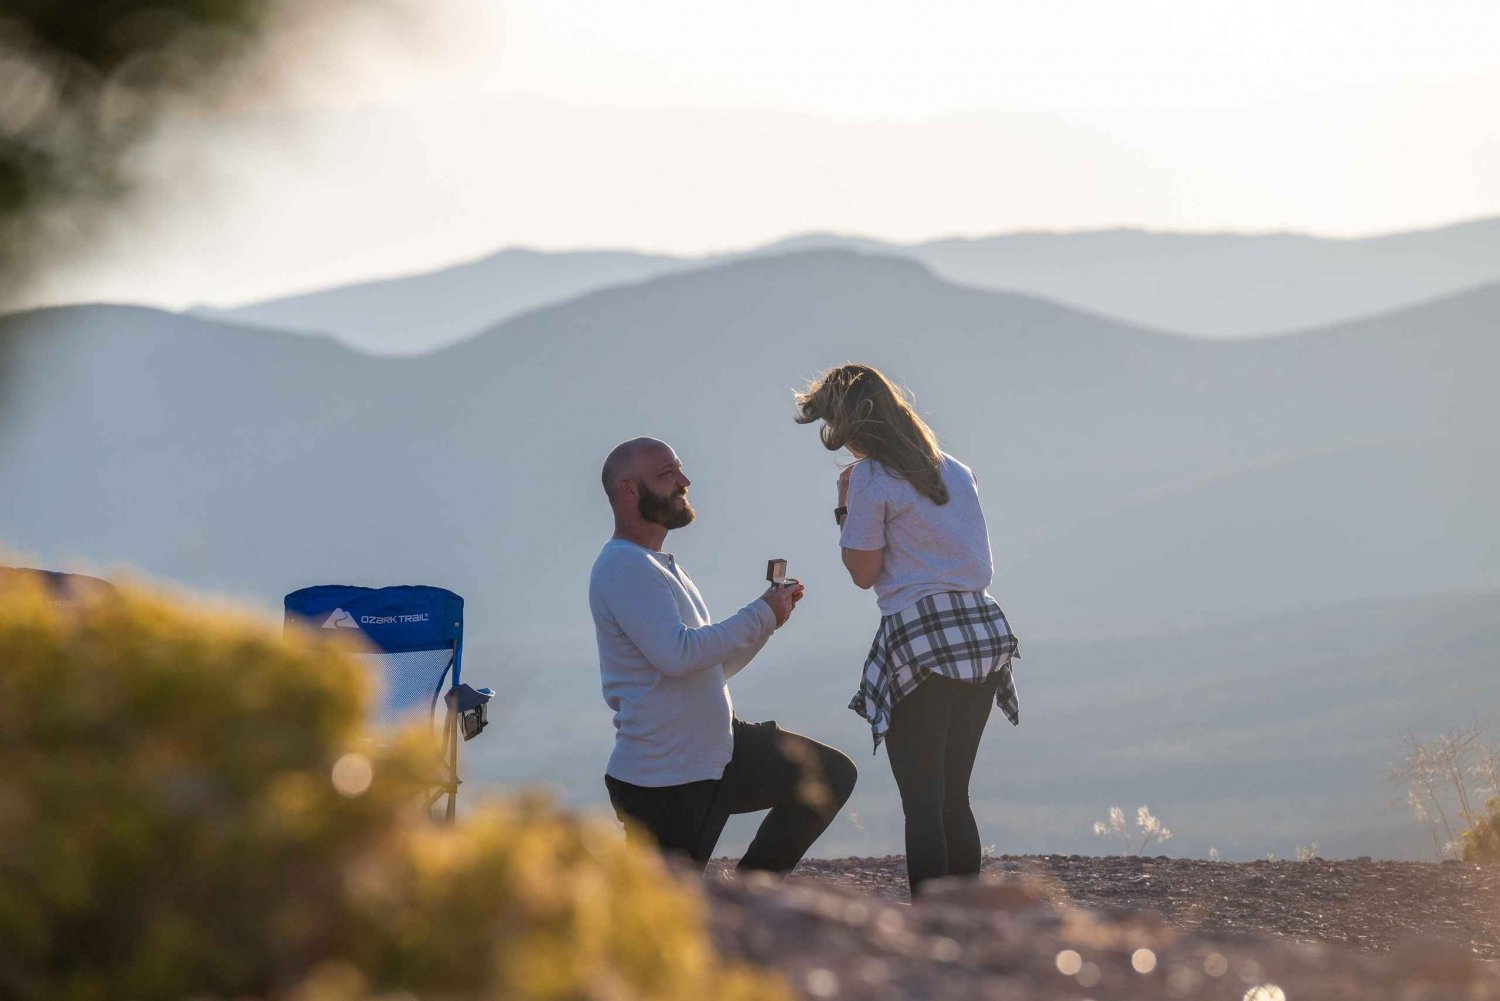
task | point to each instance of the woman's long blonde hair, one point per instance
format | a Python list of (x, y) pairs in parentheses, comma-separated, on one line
[(862, 409)]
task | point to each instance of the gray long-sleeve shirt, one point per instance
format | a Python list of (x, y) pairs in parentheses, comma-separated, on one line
[(663, 663)]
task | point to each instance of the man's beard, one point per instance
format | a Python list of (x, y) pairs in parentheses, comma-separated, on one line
[(660, 509)]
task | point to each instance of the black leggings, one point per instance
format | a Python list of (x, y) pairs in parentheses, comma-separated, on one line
[(932, 742)]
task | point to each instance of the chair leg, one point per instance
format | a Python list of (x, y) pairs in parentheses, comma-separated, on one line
[(452, 736)]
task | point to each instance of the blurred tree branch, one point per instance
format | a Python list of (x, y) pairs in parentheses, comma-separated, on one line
[(82, 82)]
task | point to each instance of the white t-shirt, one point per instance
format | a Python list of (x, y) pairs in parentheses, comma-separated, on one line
[(929, 547), (663, 665)]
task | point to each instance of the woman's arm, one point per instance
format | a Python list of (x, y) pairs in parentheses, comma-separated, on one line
[(863, 564)]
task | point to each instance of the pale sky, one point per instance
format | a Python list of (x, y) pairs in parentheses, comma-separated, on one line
[(690, 126)]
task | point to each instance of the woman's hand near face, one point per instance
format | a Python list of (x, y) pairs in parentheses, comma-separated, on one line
[(844, 484)]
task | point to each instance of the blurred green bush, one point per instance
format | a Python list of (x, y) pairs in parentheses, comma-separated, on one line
[(170, 827), (1481, 843)]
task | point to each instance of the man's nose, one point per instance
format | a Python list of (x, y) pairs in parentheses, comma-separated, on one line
[(684, 481)]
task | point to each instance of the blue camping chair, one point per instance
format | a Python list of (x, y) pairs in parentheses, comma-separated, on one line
[(418, 633)]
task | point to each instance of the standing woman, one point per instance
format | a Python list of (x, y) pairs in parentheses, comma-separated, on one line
[(913, 530)]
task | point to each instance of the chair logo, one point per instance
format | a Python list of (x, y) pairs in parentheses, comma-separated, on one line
[(387, 620), (340, 619)]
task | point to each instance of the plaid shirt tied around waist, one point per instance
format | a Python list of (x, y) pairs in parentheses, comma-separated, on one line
[(961, 635)]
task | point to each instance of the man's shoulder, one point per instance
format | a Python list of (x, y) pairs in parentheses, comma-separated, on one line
[(618, 551), (619, 556)]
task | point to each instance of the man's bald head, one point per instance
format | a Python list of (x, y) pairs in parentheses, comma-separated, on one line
[(623, 462)]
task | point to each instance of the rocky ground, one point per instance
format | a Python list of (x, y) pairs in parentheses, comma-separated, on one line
[(1124, 927)]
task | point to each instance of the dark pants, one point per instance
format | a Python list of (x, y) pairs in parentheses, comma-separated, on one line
[(932, 742), (802, 782)]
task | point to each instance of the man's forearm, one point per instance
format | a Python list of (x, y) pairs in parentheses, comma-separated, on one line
[(738, 661), (677, 649)]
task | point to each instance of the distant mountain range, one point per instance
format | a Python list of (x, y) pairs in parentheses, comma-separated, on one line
[(1236, 568), (1214, 286)]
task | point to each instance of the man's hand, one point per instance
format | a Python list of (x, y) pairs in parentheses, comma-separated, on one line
[(783, 598)]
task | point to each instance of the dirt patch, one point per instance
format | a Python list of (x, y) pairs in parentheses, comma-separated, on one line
[(1079, 927)]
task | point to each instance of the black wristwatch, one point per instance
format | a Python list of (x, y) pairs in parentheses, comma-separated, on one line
[(838, 515)]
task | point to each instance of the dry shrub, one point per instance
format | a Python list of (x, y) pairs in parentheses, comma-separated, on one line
[(1481, 842), (171, 830)]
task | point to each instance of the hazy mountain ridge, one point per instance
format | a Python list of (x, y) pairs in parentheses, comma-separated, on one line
[(1136, 483), (414, 314), (1183, 416), (1215, 285)]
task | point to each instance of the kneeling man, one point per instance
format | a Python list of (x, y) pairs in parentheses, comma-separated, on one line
[(682, 762)]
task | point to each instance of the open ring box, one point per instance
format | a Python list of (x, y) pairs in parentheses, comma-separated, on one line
[(776, 574)]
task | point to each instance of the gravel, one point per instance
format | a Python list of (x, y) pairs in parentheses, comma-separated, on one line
[(1122, 927)]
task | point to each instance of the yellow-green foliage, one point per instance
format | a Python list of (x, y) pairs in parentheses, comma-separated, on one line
[(1481, 843), (169, 828)]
